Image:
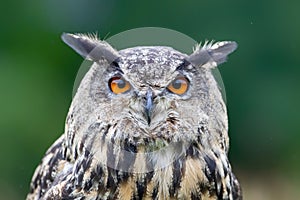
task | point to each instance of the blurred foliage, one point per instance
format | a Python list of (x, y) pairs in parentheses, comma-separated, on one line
[(262, 81)]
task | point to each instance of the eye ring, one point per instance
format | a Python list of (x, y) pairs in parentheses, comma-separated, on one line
[(179, 85), (118, 85)]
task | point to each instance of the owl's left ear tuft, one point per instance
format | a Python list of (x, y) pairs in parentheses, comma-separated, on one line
[(211, 55), (90, 47)]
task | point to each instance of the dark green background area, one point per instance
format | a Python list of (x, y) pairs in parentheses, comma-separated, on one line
[(37, 73)]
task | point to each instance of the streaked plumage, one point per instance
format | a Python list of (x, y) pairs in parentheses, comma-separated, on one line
[(148, 142)]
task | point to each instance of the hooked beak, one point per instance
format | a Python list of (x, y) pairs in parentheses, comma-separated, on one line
[(149, 105)]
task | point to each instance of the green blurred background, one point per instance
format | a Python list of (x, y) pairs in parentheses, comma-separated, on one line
[(37, 72)]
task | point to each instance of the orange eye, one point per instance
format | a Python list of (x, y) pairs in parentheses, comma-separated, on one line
[(119, 85), (179, 86)]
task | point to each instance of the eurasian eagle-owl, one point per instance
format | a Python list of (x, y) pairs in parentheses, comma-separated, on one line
[(147, 122)]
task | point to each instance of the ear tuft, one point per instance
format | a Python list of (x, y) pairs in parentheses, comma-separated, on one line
[(210, 55), (90, 47)]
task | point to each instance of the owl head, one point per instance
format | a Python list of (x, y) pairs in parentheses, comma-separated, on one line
[(148, 95)]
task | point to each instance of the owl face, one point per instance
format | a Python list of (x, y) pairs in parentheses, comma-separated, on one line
[(148, 86), (148, 93), (152, 90)]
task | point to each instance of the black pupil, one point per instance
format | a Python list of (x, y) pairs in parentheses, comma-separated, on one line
[(121, 83), (177, 84)]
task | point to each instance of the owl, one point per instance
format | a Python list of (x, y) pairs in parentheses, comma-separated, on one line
[(147, 122)]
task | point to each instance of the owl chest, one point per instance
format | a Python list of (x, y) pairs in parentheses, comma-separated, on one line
[(176, 181), (163, 175)]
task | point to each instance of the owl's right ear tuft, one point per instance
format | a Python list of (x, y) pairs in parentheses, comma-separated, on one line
[(90, 47)]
